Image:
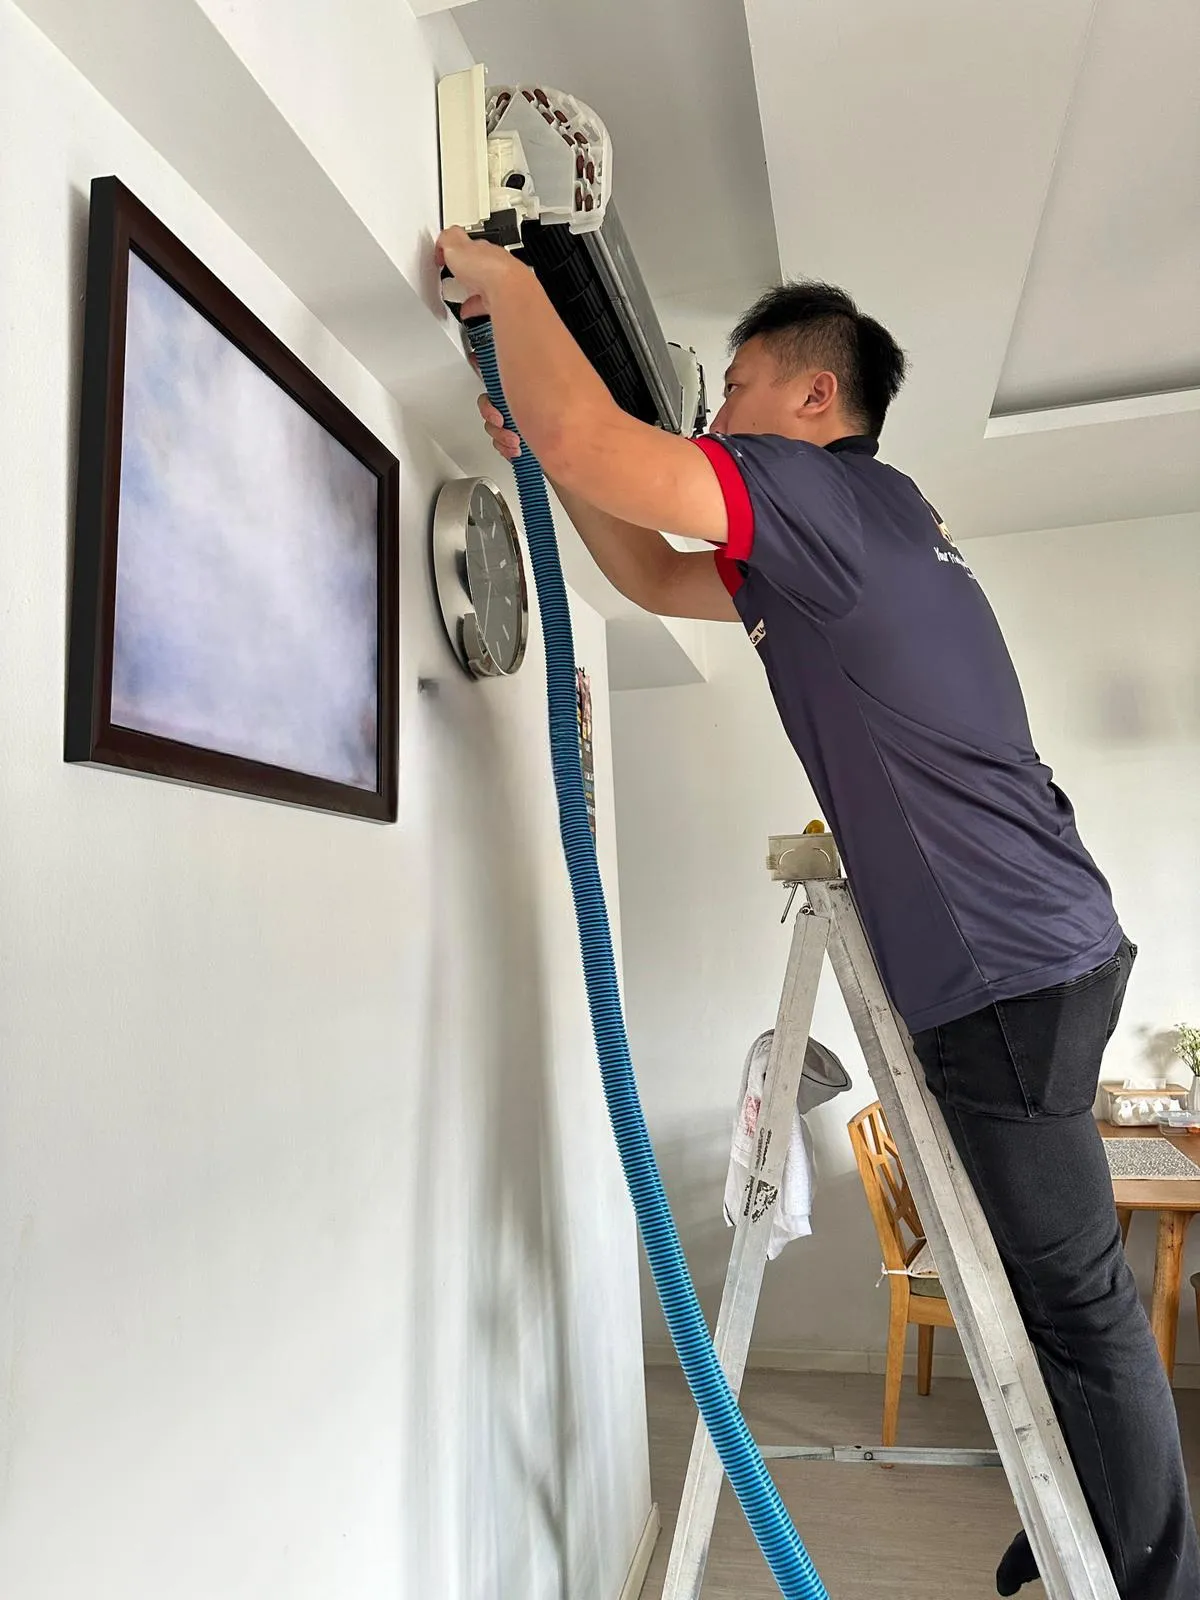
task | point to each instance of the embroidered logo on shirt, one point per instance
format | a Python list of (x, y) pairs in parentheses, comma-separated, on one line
[(758, 634)]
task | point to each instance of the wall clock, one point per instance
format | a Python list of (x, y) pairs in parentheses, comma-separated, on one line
[(479, 577)]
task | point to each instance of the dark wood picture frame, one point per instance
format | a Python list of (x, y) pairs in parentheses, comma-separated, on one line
[(120, 225)]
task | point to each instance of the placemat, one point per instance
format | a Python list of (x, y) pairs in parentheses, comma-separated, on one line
[(1148, 1158)]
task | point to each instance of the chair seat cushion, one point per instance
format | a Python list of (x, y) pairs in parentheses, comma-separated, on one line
[(923, 1278)]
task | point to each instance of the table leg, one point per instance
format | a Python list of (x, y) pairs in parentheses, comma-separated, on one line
[(1124, 1217), (1168, 1275)]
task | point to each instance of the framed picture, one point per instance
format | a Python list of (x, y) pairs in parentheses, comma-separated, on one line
[(234, 601)]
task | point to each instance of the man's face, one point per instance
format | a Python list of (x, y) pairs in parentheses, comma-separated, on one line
[(759, 399)]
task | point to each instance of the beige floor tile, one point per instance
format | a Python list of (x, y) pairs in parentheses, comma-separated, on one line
[(917, 1533)]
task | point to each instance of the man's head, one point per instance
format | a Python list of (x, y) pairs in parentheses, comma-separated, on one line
[(808, 365)]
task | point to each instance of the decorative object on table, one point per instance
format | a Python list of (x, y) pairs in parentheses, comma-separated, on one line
[(234, 616), (1149, 1158), (479, 577), (583, 704), (1183, 1120), (1127, 1106), (1189, 1052)]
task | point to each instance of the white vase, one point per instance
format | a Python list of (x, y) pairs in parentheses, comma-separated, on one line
[(1193, 1099)]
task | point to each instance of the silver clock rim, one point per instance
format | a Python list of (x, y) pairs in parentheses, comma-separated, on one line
[(455, 601)]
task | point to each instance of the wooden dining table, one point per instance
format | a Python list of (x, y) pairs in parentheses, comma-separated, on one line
[(1176, 1200)]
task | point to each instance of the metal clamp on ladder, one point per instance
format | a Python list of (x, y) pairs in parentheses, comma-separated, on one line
[(1029, 1444)]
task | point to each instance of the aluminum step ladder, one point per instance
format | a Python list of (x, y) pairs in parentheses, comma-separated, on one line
[(1029, 1444)]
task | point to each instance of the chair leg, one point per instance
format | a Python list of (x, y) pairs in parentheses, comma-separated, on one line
[(1124, 1217), (897, 1338), (924, 1359)]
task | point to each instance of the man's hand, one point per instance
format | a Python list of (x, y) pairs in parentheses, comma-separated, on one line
[(508, 444), (478, 267)]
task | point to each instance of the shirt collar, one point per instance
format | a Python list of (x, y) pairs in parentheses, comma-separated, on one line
[(859, 443)]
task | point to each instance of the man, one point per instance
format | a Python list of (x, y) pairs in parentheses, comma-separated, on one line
[(992, 926)]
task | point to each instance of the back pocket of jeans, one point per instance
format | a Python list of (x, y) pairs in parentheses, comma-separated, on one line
[(1057, 1038)]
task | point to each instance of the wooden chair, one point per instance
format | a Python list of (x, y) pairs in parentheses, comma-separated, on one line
[(916, 1293)]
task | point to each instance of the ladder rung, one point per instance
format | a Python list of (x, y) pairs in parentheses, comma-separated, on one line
[(874, 1455)]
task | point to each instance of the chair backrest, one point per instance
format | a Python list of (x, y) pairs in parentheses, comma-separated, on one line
[(888, 1195)]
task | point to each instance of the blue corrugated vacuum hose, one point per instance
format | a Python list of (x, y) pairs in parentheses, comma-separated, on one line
[(781, 1545)]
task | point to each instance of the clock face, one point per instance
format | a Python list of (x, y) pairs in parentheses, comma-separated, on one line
[(495, 580), (480, 577)]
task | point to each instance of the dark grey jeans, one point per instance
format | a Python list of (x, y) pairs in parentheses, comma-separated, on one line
[(1016, 1083)]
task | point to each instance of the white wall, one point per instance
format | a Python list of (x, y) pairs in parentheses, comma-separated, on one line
[(1101, 622), (317, 1276), (340, 71)]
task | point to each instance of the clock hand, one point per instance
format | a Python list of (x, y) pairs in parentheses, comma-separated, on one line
[(487, 606)]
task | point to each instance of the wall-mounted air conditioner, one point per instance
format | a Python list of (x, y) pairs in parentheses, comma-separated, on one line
[(531, 168)]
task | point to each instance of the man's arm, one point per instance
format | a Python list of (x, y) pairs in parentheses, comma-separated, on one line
[(638, 562), (643, 567), (638, 474)]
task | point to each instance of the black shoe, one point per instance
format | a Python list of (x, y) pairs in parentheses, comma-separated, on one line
[(1017, 1567)]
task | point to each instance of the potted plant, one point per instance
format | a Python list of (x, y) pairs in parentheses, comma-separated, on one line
[(1188, 1049)]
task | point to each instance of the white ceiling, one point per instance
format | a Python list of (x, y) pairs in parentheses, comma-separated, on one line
[(1012, 189), (1111, 304), (673, 83)]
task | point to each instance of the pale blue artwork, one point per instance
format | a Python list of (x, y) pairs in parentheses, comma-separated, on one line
[(247, 548)]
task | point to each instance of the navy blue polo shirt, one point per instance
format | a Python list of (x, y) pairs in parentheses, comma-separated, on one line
[(897, 690)]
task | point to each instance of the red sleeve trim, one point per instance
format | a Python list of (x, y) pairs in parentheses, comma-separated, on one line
[(729, 572), (738, 507)]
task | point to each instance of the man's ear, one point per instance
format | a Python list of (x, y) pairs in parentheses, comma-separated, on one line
[(821, 392)]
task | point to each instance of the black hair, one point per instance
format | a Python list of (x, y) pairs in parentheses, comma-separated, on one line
[(805, 323)]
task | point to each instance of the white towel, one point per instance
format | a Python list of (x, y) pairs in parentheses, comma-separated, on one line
[(822, 1078)]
